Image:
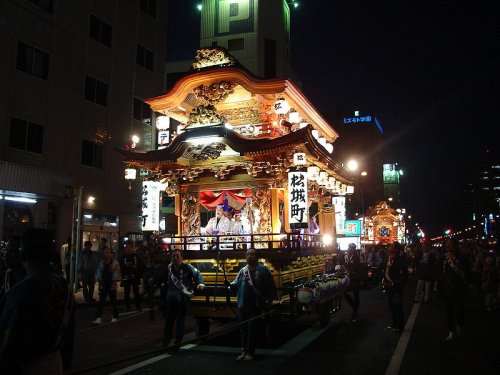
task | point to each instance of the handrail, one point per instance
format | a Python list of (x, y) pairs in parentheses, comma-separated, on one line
[(278, 241)]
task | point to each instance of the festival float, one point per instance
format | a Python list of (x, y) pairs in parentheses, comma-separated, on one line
[(259, 148), (384, 225)]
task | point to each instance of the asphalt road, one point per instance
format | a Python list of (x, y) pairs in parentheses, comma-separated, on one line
[(365, 347)]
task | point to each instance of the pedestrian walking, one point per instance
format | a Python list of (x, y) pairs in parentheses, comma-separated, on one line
[(131, 268), (454, 281), (424, 263), (108, 276), (352, 265), (182, 279), (87, 267), (255, 293), (36, 314), (395, 276)]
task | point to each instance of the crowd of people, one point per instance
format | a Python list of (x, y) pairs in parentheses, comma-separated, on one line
[(35, 278), (450, 270)]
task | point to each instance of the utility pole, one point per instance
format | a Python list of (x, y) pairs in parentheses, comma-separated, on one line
[(75, 235)]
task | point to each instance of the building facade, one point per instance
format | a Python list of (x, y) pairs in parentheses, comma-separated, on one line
[(74, 76)]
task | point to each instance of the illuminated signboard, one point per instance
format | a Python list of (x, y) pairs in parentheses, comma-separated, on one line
[(364, 119), (151, 205), (390, 174), (353, 120), (352, 227), (340, 214), (234, 17), (297, 203), (163, 138)]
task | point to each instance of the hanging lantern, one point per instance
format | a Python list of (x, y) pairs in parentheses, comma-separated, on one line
[(350, 189), (323, 178), (329, 147), (294, 117), (162, 122), (281, 106), (130, 174), (312, 172), (299, 158)]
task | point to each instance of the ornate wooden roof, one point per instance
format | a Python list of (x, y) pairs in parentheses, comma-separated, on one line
[(230, 125)]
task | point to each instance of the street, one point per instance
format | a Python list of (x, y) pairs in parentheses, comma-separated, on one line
[(364, 347)]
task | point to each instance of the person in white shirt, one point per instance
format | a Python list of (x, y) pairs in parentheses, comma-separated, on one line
[(219, 224), (237, 226)]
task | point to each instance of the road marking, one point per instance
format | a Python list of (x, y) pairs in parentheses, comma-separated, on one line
[(397, 357), (141, 364), (290, 348)]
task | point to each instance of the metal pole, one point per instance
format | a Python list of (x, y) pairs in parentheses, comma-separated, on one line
[(71, 276), (78, 231), (248, 201)]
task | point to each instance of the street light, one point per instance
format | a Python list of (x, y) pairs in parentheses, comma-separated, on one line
[(352, 165)]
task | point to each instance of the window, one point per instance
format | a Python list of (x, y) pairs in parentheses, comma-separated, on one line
[(236, 44), (44, 4), (145, 57), (32, 61), (149, 6), (96, 91), (91, 154), (142, 111), (26, 136), (100, 31)]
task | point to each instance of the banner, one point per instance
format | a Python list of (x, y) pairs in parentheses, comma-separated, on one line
[(297, 202), (151, 205)]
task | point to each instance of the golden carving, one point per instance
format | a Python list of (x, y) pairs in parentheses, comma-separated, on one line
[(190, 214), (203, 116), (243, 115), (215, 56), (215, 93), (262, 211)]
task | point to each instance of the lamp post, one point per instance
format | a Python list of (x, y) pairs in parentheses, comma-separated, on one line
[(353, 165)]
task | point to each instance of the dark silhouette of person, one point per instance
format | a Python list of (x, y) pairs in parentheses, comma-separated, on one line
[(181, 277), (36, 321)]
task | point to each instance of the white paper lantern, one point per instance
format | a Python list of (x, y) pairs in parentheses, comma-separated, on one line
[(162, 122), (281, 106), (312, 172), (130, 174)]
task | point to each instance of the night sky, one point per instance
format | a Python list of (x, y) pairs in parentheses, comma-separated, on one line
[(428, 70)]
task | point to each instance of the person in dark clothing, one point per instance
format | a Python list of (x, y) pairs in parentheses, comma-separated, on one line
[(256, 290), (131, 267), (181, 278), (87, 267), (455, 271), (395, 276), (108, 275), (36, 313), (352, 265), (153, 278), (14, 271), (424, 263)]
